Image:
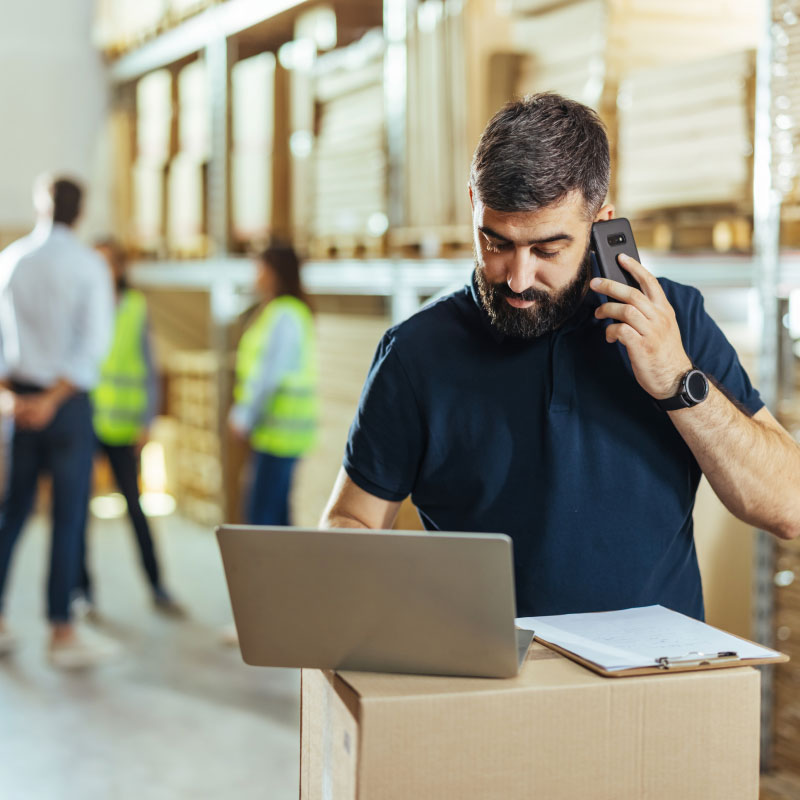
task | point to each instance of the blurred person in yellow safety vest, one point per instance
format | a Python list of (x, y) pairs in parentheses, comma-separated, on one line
[(124, 403), (275, 396)]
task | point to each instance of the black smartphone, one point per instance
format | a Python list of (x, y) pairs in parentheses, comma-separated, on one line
[(610, 238)]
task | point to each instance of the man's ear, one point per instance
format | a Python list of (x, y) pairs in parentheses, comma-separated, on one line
[(604, 214), (471, 198)]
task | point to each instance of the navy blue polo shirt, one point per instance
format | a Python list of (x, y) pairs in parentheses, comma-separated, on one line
[(551, 441)]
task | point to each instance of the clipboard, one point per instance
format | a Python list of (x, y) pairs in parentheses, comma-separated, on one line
[(689, 663), (649, 640)]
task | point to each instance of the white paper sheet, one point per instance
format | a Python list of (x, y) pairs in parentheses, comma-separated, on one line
[(638, 637)]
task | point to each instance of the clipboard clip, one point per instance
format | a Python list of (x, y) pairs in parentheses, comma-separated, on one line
[(694, 659)]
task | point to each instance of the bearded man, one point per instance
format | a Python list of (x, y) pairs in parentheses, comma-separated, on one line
[(552, 406)]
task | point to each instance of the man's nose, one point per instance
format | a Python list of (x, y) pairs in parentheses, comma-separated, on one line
[(521, 273)]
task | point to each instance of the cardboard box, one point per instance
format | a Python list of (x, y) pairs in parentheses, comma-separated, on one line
[(557, 731)]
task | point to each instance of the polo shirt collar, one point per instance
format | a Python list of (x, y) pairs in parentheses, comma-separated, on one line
[(584, 312)]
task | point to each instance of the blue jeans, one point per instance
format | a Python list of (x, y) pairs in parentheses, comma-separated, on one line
[(123, 461), (64, 450), (268, 503)]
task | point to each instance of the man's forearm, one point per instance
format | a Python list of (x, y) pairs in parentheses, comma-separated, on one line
[(752, 465), (334, 519)]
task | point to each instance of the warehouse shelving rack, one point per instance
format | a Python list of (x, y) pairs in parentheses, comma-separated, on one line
[(221, 30)]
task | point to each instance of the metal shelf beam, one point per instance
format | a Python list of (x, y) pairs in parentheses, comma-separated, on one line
[(195, 34)]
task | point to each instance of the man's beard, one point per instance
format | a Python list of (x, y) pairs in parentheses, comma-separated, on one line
[(550, 310)]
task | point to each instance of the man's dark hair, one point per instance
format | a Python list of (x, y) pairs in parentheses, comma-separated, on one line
[(537, 150), (67, 197)]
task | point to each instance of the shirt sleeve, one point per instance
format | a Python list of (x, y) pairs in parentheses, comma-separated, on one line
[(710, 350), (280, 356), (387, 437), (93, 328)]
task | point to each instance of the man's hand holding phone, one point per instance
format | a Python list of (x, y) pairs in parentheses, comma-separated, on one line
[(647, 327)]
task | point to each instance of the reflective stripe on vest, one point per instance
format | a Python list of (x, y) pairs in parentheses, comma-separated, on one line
[(120, 397), (287, 424)]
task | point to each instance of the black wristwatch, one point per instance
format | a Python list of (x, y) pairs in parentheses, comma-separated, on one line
[(693, 390)]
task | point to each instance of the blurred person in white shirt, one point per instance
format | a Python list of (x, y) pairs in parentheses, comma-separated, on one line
[(56, 312)]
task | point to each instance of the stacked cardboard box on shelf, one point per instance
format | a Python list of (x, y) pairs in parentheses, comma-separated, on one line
[(350, 168), (437, 158), (686, 140), (154, 131), (618, 45), (121, 25), (193, 400), (253, 123), (186, 191), (576, 67)]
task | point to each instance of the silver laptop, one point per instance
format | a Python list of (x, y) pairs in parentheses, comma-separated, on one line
[(378, 601)]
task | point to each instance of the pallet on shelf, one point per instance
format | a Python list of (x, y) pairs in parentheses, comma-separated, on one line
[(349, 159), (721, 229), (253, 130), (345, 245), (437, 138), (686, 136), (431, 242)]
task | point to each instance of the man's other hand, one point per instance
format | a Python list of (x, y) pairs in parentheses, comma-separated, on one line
[(647, 328), (35, 412)]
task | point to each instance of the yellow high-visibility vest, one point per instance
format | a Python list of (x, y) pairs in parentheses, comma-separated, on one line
[(288, 422), (120, 397)]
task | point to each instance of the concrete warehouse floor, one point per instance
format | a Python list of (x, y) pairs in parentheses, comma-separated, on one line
[(178, 715)]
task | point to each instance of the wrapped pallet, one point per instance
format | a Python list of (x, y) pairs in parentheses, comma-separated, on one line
[(186, 210), (686, 135), (253, 122), (438, 150), (574, 67), (613, 39), (153, 150), (148, 189), (194, 115), (154, 116), (186, 188), (350, 166)]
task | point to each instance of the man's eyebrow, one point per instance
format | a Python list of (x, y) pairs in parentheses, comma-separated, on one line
[(556, 237)]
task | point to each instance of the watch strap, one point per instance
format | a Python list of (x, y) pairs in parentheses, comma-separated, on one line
[(684, 398), (674, 403)]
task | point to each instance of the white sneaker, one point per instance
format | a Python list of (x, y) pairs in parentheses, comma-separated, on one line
[(82, 651), (8, 642)]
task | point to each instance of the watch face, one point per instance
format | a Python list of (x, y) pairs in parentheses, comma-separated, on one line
[(696, 386)]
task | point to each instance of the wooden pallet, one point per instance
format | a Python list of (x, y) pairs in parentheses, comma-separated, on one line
[(433, 242), (720, 229), (346, 245)]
